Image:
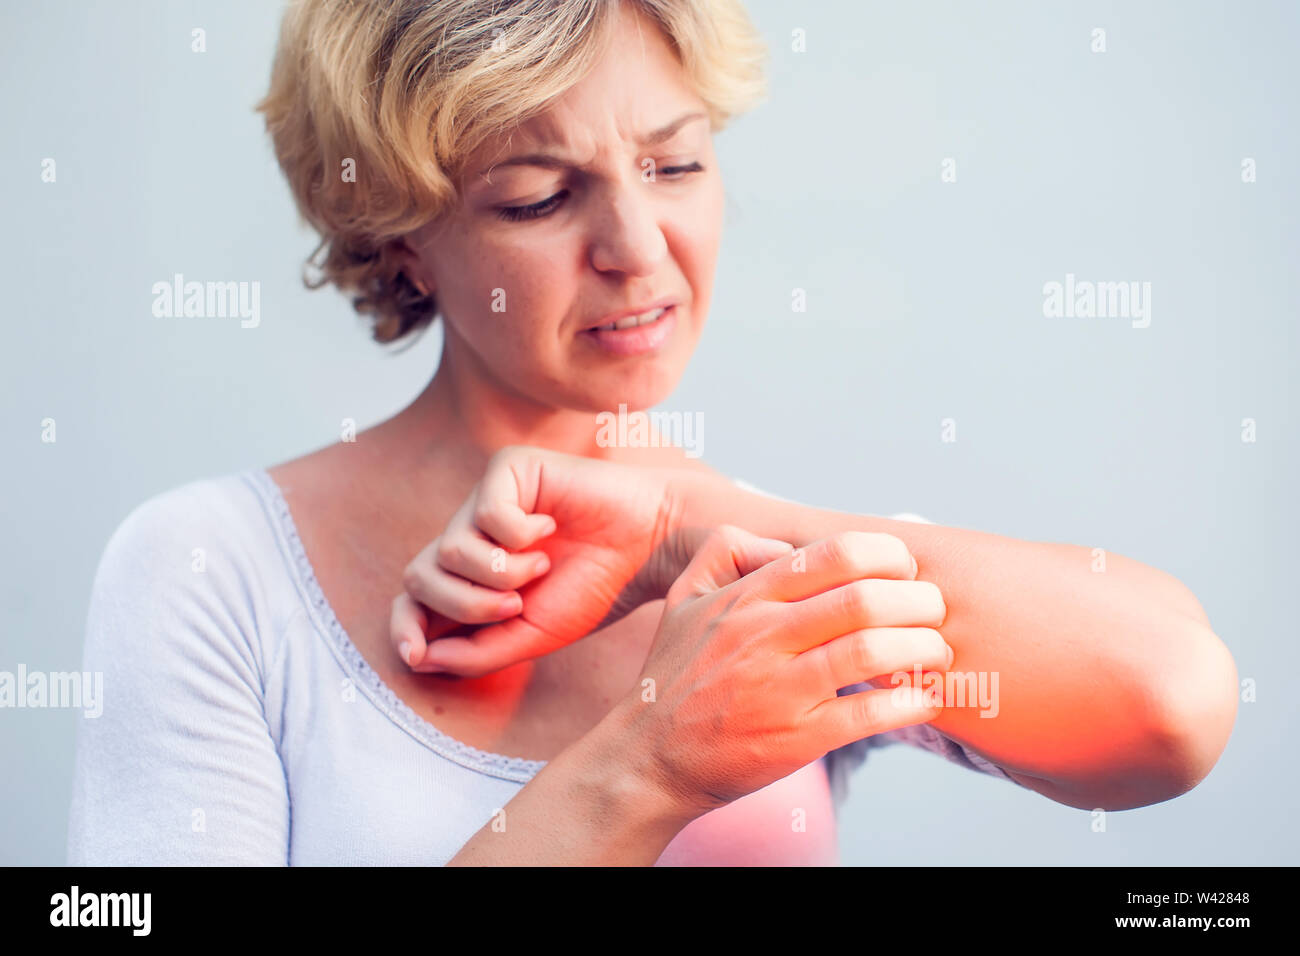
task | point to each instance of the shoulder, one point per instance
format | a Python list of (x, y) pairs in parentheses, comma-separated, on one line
[(184, 636), (183, 526), (195, 564)]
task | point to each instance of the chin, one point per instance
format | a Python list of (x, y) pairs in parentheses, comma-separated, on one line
[(640, 388), (640, 384)]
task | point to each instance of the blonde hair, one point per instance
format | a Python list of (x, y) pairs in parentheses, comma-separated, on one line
[(402, 92)]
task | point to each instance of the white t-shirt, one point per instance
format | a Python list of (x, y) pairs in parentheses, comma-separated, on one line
[(240, 724)]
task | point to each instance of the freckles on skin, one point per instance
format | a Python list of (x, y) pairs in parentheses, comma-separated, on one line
[(497, 290)]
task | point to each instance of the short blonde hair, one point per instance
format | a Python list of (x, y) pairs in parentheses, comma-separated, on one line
[(402, 92)]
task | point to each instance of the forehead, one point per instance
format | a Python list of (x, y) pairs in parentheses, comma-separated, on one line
[(636, 87)]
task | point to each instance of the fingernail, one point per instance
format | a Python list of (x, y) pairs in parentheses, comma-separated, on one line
[(951, 656), (915, 566), (512, 605), (543, 565), (404, 650)]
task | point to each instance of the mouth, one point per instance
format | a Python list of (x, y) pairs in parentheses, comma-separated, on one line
[(632, 321), (634, 334)]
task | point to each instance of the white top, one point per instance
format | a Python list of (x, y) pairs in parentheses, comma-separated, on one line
[(241, 725)]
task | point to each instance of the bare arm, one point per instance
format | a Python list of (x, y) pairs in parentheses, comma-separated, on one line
[(1112, 689)]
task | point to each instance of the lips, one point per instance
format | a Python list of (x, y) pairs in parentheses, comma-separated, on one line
[(632, 317), (631, 321), (636, 339)]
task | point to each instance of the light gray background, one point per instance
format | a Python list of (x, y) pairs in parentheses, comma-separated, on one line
[(925, 303)]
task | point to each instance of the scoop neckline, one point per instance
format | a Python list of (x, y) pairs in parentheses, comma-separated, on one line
[(365, 677)]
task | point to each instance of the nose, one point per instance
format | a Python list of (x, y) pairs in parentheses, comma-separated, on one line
[(626, 236)]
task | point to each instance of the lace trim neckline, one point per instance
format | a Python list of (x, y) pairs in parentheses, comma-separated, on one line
[(494, 764)]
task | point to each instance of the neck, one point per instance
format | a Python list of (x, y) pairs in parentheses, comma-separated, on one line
[(464, 415)]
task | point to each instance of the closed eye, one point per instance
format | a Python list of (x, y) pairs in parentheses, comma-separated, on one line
[(539, 209), (517, 213), (676, 170)]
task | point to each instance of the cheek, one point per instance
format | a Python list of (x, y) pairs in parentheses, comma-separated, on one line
[(700, 231), (507, 298)]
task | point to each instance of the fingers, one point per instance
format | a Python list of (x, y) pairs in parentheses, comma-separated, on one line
[(466, 578), (872, 652), (842, 720), (833, 561), (726, 555), (487, 650), (476, 559), (506, 497), (456, 598), (869, 603), (407, 627)]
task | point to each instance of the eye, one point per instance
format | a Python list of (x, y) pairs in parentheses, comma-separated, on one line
[(681, 170), (539, 209), (519, 213)]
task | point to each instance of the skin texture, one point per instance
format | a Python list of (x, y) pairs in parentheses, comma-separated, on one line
[(515, 294), (738, 692), (1112, 692), (523, 377), (526, 377)]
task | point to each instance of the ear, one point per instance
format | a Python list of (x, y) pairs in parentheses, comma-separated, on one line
[(411, 264)]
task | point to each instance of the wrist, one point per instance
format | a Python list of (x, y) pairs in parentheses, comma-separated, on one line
[(622, 780), (695, 497), (692, 504), (706, 500)]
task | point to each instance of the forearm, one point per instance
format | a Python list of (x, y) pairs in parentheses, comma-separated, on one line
[(1111, 690), (587, 807)]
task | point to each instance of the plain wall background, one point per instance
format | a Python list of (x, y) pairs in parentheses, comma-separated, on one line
[(924, 302)]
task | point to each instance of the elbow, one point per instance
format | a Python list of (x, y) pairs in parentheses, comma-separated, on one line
[(1194, 710)]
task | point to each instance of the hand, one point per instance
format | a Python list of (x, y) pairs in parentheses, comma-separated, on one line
[(739, 688), (547, 548)]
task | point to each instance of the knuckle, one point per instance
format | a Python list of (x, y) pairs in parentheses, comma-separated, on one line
[(846, 549), (411, 578), (897, 553), (935, 597), (485, 512), (859, 597), (724, 537), (866, 551), (504, 454), (866, 709), (450, 553), (931, 642), (727, 533), (862, 657)]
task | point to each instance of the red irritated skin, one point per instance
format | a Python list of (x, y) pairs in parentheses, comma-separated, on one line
[(1113, 690), (753, 643), (1036, 615)]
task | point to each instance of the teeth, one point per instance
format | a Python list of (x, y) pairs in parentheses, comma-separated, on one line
[(631, 321)]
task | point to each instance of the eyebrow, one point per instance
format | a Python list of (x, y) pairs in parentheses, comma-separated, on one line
[(554, 161)]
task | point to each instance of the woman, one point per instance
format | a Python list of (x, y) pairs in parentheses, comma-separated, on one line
[(599, 654)]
